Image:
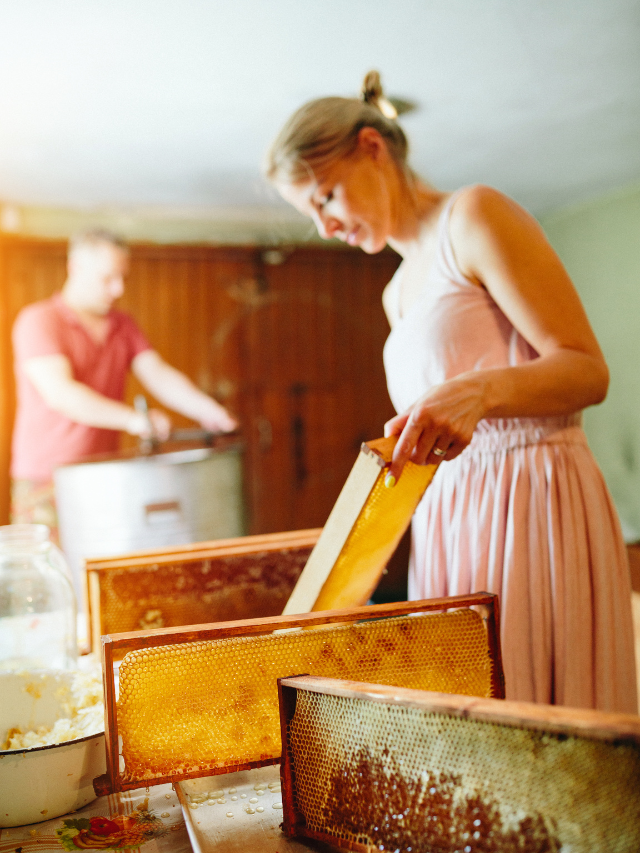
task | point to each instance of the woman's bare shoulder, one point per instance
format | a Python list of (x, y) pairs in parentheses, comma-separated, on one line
[(480, 202), (483, 215)]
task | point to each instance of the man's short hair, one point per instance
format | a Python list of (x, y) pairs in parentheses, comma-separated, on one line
[(93, 237)]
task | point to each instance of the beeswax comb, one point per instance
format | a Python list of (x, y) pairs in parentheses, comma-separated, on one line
[(367, 767), (362, 532)]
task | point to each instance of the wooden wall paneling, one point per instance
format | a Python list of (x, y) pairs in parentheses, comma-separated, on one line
[(313, 357), (633, 552), (230, 290), (183, 297), (280, 369), (155, 295), (30, 269), (233, 292)]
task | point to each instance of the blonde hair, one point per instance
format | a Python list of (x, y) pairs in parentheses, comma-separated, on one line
[(326, 129), (93, 237)]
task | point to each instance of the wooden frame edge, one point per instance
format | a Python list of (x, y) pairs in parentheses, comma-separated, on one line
[(580, 722), (240, 545), (155, 637), (114, 646)]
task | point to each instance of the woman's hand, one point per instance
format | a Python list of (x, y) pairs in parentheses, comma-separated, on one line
[(440, 424)]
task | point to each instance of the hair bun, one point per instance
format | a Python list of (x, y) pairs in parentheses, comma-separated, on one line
[(371, 88), (372, 94)]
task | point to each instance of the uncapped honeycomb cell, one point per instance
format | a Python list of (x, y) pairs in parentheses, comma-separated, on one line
[(373, 538), (195, 592), (212, 704), (389, 777)]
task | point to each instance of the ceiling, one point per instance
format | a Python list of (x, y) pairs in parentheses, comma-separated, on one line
[(171, 105)]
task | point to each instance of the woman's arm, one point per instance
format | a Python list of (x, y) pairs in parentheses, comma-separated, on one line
[(502, 248)]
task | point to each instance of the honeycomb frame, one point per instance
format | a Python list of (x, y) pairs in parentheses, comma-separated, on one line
[(362, 532), (244, 577), (168, 699), (369, 767)]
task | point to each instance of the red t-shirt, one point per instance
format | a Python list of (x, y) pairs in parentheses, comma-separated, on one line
[(43, 438)]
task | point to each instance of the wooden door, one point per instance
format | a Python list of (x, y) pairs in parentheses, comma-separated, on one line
[(313, 386)]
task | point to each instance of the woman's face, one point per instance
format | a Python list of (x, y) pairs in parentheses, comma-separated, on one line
[(349, 200)]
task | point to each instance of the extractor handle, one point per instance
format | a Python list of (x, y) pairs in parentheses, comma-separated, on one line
[(145, 445)]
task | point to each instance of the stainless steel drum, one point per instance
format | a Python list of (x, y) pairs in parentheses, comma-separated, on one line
[(122, 503)]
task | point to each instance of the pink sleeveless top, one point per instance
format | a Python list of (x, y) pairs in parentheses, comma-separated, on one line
[(455, 326)]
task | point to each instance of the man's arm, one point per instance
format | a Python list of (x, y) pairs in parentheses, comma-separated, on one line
[(179, 393), (52, 377)]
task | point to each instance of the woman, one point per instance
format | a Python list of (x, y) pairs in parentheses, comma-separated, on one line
[(490, 360)]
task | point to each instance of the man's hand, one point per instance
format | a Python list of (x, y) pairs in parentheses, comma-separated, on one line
[(176, 391), (216, 418), (153, 424)]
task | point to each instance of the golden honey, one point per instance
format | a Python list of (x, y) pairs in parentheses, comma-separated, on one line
[(205, 705), (380, 776), (375, 535), (192, 592)]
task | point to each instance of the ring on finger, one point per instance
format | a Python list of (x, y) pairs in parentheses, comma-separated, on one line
[(438, 451)]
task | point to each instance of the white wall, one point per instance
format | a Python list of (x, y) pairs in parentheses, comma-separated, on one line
[(599, 243)]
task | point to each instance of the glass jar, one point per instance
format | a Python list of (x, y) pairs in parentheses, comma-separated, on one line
[(37, 603)]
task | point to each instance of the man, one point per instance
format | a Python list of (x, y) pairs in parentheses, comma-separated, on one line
[(72, 355)]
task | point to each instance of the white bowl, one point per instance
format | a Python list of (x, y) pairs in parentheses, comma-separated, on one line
[(43, 782)]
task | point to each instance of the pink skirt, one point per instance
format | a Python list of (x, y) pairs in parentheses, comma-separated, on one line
[(524, 512)]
